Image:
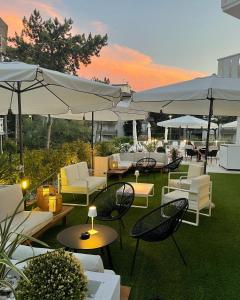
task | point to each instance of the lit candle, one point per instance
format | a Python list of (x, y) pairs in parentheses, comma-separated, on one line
[(52, 203), (92, 213), (45, 190)]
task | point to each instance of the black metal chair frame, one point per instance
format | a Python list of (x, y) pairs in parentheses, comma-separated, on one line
[(146, 164), (212, 154), (173, 165), (172, 229), (120, 207), (191, 153)]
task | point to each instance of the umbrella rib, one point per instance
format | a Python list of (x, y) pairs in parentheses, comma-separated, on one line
[(10, 88), (167, 104), (53, 94), (33, 86)]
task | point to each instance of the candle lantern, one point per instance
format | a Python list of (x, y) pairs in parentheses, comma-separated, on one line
[(136, 174), (52, 202), (114, 164)]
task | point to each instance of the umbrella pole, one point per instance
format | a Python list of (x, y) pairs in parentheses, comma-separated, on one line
[(92, 142), (208, 133), (20, 129)]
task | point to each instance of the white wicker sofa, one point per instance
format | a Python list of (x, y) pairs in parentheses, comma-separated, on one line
[(127, 160), (75, 179), (10, 197)]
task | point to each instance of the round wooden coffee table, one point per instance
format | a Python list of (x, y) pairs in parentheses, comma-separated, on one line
[(105, 236)]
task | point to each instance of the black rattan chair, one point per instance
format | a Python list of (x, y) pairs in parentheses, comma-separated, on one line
[(113, 203), (191, 153), (146, 165), (159, 224), (173, 165), (213, 154)]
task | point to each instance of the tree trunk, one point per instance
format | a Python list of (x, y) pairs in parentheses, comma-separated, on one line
[(49, 129)]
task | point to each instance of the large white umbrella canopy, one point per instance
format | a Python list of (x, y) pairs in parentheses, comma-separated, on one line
[(230, 125), (45, 91), (192, 97), (30, 89), (186, 122), (201, 96), (113, 115)]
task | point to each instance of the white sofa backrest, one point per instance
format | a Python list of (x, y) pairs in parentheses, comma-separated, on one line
[(159, 157), (195, 170), (69, 174), (10, 197), (82, 169), (127, 156), (140, 155), (199, 188)]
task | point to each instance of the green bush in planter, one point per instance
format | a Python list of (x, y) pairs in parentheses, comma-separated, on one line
[(56, 275)]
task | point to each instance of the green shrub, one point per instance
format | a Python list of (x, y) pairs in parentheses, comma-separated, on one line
[(104, 148), (54, 275), (8, 170), (40, 164)]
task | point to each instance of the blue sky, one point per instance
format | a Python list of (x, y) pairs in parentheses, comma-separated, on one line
[(167, 40)]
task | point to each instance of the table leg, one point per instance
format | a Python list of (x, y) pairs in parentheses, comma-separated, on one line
[(64, 221), (109, 257)]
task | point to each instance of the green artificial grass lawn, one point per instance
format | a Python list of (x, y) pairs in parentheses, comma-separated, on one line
[(212, 250)]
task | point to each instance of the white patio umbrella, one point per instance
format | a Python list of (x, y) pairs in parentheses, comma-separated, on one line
[(201, 96), (234, 125), (30, 89), (230, 125), (166, 135), (135, 141), (115, 114), (149, 132), (187, 122)]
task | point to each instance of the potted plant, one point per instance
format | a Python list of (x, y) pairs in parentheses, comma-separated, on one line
[(9, 242), (54, 275)]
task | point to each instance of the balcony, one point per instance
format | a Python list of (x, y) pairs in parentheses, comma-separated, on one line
[(231, 7)]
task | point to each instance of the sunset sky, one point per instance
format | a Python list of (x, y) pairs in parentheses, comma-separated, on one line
[(151, 43)]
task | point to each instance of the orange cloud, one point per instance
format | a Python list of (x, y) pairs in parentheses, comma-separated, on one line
[(121, 64), (13, 13)]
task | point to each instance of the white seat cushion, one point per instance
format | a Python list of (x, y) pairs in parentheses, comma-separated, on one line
[(124, 164), (174, 195), (84, 186), (36, 221), (182, 184)]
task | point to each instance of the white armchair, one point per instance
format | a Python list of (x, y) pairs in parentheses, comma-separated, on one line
[(198, 196), (75, 179), (185, 179)]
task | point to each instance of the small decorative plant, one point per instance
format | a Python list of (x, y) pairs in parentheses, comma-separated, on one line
[(174, 153), (56, 275)]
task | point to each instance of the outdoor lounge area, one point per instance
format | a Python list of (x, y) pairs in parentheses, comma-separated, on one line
[(119, 150), (209, 249)]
